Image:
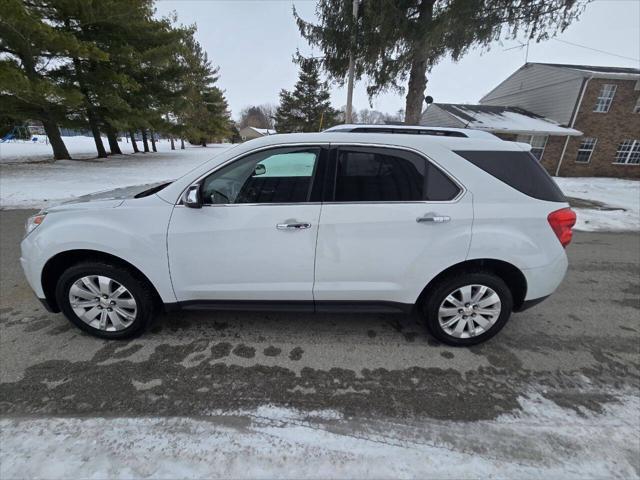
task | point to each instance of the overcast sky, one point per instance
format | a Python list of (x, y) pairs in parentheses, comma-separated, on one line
[(252, 41)]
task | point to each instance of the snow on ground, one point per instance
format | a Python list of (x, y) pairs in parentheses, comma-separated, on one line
[(543, 440), (36, 185), (621, 195), (79, 147)]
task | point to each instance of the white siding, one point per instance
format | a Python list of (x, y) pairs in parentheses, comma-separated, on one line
[(548, 91), (434, 116)]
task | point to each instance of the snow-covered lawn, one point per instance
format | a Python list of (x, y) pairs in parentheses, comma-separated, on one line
[(36, 185), (541, 441), (620, 197), (79, 147)]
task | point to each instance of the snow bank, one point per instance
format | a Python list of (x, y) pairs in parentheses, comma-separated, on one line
[(622, 195), (542, 441)]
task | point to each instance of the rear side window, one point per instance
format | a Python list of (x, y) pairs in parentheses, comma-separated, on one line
[(387, 175), (519, 170)]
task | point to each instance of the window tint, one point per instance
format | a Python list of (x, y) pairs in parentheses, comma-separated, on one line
[(282, 175), (519, 170), (386, 175)]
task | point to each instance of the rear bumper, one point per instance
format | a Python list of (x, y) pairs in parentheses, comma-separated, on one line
[(543, 281)]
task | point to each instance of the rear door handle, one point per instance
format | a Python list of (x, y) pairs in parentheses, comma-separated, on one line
[(293, 226), (433, 218)]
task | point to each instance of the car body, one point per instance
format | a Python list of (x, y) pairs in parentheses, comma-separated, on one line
[(314, 222)]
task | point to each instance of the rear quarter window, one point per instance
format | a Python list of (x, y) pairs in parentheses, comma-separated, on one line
[(519, 170)]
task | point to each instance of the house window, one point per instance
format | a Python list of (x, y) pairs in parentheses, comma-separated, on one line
[(537, 142), (586, 149), (636, 109), (605, 97), (628, 153)]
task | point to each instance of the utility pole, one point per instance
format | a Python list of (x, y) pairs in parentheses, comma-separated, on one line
[(348, 115)]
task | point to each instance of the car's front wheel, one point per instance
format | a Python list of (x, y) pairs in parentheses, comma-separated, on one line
[(105, 300), (468, 309)]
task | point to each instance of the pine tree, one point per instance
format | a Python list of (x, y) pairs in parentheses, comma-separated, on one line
[(28, 89), (400, 41), (308, 107), (201, 112)]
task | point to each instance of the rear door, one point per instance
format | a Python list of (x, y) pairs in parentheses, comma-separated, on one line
[(392, 220)]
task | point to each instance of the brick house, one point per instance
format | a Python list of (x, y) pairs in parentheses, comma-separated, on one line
[(601, 102)]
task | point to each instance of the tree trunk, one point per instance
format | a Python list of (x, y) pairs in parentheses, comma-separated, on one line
[(145, 143), (133, 141), (203, 142), (60, 151), (153, 142), (112, 137), (182, 144), (415, 91), (173, 145), (418, 73), (91, 116), (95, 131)]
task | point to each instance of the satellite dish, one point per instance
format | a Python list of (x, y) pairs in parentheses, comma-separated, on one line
[(428, 99)]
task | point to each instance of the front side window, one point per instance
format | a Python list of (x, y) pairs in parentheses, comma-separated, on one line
[(282, 175), (628, 152), (388, 175), (586, 148), (605, 98), (537, 142)]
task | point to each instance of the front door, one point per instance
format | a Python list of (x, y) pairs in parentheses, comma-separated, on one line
[(394, 221), (254, 238)]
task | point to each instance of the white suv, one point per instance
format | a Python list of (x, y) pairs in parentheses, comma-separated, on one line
[(463, 229)]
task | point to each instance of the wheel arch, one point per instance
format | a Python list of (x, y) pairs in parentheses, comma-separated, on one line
[(509, 273), (60, 262)]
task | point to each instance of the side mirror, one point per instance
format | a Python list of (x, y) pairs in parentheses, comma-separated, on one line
[(191, 197), (260, 170)]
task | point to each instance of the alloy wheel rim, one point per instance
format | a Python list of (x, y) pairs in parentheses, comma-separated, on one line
[(102, 303), (469, 311)]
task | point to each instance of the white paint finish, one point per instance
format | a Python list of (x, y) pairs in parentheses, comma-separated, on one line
[(379, 252), (236, 252), (134, 232), (367, 251)]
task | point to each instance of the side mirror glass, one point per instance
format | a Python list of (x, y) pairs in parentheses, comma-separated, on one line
[(260, 170), (191, 197)]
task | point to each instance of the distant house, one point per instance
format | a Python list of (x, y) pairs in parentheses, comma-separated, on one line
[(601, 102), (248, 133), (509, 123)]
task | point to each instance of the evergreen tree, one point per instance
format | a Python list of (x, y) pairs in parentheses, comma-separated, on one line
[(30, 43), (398, 41), (202, 112), (307, 108)]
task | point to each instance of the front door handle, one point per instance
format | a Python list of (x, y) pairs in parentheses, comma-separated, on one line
[(293, 226), (433, 218)]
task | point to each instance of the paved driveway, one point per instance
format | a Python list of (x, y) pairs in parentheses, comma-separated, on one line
[(579, 350)]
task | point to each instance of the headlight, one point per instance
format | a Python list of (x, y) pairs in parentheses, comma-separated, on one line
[(33, 222)]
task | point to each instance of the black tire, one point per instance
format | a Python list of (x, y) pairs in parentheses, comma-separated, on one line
[(138, 287), (451, 284)]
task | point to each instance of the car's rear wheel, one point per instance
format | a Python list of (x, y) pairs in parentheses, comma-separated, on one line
[(105, 300), (468, 309)]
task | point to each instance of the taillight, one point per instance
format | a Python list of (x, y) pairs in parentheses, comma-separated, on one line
[(561, 222)]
